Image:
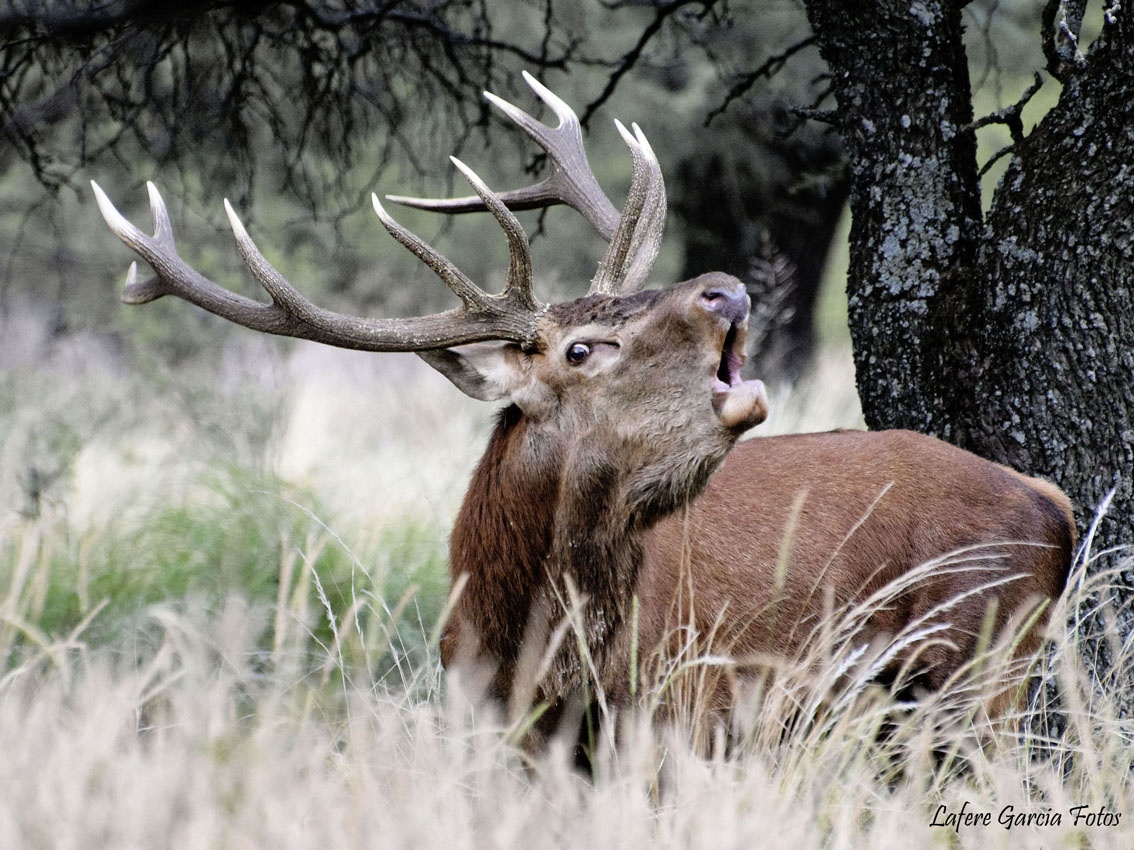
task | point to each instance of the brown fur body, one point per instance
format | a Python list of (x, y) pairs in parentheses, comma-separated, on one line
[(791, 527), (839, 513)]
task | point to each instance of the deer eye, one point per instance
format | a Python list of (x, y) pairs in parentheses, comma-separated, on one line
[(577, 352)]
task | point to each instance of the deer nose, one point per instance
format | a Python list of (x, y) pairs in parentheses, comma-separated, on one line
[(728, 302)]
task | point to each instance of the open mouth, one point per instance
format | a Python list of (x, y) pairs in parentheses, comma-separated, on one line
[(732, 358), (739, 404)]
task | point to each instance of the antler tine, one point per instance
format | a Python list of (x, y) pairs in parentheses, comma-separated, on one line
[(471, 295), (520, 278), (635, 234), (174, 276), (651, 226), (635, 245), (571, 181), (510, 316), (133, 293)]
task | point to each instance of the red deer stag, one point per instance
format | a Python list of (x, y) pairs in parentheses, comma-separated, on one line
[(598, 481)]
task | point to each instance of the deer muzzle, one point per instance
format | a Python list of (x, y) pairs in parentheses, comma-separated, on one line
[(739, 404)]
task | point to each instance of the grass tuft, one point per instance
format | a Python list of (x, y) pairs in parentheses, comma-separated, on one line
[(221, 654)]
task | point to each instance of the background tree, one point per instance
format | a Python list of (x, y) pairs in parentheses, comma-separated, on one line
[(762, 201)]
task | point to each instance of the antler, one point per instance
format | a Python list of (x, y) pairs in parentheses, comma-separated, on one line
[(634, 236), (510, 315), (627, 262)]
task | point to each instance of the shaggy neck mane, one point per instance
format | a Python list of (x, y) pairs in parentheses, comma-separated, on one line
[(536, 512), (502, 535)]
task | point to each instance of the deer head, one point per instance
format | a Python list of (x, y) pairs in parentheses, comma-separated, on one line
[(655, 372)]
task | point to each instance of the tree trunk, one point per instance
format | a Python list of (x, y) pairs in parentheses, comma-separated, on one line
[(902, 85), (1012, 336), (1056, 280), (1056, 273)]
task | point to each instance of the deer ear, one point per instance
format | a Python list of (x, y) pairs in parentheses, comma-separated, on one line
[(492, 371)]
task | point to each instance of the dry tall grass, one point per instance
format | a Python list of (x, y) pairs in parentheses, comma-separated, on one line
[(200, 740), (190, 730)]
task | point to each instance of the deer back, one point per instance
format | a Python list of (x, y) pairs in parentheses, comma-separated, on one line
[(793, 529)]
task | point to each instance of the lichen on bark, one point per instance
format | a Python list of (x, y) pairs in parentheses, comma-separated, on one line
[(901, 81)]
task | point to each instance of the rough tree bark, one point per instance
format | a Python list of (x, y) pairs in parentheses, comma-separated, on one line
[(1054, 282), (1055, 285), (1010, 334), (902, 86)]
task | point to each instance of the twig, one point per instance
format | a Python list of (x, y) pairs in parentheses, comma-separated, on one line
[(772, 65), (999, 155), (1011, 116), (823, 116), (629, 60)]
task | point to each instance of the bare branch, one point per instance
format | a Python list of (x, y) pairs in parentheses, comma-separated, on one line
[(170, 83), (662, 13), (1011, 116), (768, 68)]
